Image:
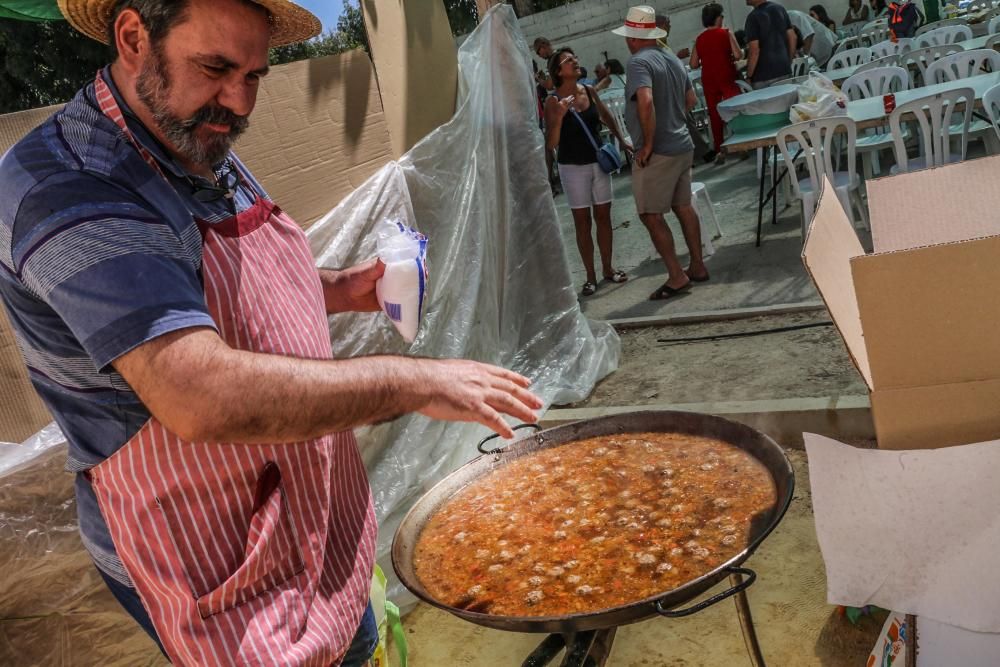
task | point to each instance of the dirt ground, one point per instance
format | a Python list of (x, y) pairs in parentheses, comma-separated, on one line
[(806, 363)]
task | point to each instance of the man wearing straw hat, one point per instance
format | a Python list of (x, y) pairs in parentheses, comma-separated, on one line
[(173, 321), (658, 94)]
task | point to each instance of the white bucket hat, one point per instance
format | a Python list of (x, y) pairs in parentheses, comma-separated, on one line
[(640, 23)]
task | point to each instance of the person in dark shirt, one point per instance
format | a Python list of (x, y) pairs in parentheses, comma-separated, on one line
[(771, 42), (904, 19)]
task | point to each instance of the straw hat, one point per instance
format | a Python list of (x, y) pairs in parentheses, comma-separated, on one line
[(640, 23), (289, 22)]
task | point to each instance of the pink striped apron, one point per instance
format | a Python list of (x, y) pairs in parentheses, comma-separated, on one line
[(246, 554)]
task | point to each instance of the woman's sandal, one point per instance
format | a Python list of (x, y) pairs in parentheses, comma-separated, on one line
[(665, 291), (617, 277), (588, 288)]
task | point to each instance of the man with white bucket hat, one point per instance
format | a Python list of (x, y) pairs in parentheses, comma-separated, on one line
[(658, 94)]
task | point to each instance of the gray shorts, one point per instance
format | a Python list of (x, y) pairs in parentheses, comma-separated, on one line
[(663, 183)]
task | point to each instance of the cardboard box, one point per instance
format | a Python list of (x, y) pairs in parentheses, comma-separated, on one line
[(920, 315)]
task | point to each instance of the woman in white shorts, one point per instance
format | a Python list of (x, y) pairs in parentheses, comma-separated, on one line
[(585, 184)]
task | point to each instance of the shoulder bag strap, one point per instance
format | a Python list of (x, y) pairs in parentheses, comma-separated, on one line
[(585, 129)]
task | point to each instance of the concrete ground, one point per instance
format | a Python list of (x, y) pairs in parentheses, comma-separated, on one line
[(742, 274)]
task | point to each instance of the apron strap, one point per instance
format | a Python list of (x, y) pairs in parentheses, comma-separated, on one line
[(110, 108)]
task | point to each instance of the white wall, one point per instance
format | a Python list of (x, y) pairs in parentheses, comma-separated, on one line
[(585, 25)]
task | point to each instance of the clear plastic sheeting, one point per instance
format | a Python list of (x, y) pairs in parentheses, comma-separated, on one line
[(54, 608), (500, 289)]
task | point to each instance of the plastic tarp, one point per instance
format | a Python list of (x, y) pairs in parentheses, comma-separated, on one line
[(774, 99), (499, 291)]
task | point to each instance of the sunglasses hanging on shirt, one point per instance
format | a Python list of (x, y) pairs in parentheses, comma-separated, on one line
[(225, 188)]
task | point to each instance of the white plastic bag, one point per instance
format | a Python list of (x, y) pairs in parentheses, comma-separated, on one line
[(819, 97), (402, 288)]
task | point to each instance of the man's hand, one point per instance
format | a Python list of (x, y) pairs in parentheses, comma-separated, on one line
[(684, 53), (460, 390), (642, 157), (353, 289)]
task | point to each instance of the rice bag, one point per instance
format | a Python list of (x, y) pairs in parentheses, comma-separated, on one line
[(401, 290)]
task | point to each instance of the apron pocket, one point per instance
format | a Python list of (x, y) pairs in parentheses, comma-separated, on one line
[(270, 553)]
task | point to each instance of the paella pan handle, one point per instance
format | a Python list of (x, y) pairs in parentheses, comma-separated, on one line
[(750, 575), (497, 435)]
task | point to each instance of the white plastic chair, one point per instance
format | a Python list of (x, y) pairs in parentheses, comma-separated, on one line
[(992, 42), (803, 65), (847, 43), (874, 32), (923, 58), (933, 116), (951, 34), (994, 26), (991, 102), (885, 48), (888, 61), (962, 65), (978, 5), (875, 83), (706, 211), (616, 107), (943, 23), (849, 58), (821, 141)]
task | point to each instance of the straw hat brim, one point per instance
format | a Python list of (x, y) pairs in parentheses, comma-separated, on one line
[(636, 33), (289, 22)]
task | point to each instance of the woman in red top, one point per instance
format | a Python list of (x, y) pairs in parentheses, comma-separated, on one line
[(716, 52)]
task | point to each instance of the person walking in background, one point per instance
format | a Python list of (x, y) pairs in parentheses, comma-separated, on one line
[(543, 86), (657, 95), (857, 12), (716, 52), (771, 43), (879, 9), (571, 114), (702, 150), (614, 79), (818, 41), (819, 13)]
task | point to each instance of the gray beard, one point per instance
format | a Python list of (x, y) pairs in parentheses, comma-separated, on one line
[(153, 89)]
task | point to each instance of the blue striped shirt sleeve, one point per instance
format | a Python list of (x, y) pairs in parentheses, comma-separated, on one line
[(117, 273)]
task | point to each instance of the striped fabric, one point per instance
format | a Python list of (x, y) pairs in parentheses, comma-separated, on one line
[(248, 554)]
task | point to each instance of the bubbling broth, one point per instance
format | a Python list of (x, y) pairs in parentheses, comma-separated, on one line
[(593, 524)]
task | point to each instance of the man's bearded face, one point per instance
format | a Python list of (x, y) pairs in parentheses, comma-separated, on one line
[(188, 136)]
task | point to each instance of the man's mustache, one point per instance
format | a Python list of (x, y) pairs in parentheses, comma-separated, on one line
[(217, 115)]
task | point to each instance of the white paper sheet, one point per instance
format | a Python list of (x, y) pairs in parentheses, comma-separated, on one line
[(917, 531)]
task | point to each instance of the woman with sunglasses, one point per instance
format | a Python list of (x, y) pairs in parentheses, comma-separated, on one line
[(571, 112)]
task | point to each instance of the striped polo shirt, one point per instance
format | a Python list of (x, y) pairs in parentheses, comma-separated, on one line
[(99, 254)]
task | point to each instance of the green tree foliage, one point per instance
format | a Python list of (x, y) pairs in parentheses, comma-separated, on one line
[(44, 63), (350, 34), (462, 15)]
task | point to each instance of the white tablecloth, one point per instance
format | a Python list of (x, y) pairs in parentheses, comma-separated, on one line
[(775, 99)]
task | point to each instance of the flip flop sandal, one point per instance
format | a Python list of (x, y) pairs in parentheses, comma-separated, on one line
[(700, 279), (665, 291), (588, 289), (617, 277)]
